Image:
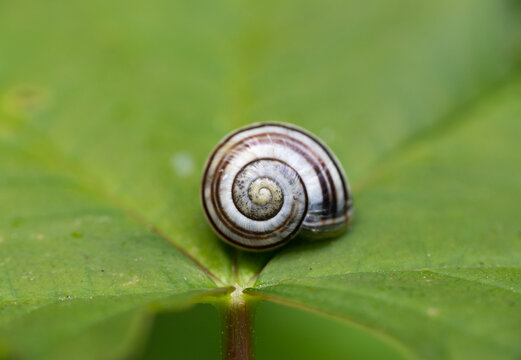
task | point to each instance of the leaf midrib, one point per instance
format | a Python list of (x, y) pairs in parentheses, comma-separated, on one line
[(454, 118), (148, 298), (436, 270), (105, 296)]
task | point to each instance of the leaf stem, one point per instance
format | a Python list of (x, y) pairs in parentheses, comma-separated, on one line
[(237, 341)]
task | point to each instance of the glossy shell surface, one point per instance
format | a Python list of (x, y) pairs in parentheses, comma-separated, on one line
[(266, 183)]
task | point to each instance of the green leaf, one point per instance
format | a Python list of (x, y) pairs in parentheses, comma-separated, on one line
[(108, 110), (434, 258), (78, 268)]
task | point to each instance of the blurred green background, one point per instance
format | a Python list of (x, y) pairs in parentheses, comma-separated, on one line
[(117, 87)]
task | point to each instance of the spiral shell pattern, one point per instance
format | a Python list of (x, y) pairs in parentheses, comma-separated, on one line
[(267, 182)]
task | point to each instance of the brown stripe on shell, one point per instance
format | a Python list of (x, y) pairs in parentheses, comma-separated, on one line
[(347, 194), (324, 147), (306, 134), (255, 234), (221, 214), (242, 231), (329, 200), (282, 240)]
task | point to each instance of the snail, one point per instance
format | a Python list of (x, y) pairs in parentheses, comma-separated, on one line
[(265, 183)]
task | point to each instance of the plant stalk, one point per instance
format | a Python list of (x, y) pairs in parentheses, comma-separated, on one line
[(237, 334)]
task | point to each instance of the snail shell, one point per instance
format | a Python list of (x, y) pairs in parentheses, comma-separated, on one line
[(267, 182)]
